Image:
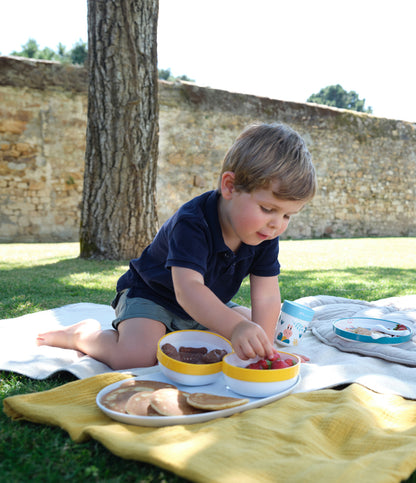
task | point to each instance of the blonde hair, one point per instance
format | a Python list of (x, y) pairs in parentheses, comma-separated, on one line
[(265, 153)]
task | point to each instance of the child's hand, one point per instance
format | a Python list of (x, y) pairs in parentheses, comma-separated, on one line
[(302, 357), (250, 340)]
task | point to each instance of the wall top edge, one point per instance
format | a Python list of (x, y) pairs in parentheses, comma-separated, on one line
[(45, 74)]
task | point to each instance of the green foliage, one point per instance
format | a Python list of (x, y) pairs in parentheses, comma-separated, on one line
[(166, 74), (77, 55), (30, 49), (336, 96)]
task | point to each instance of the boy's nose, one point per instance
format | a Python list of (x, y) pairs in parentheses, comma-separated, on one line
[(276, 222)]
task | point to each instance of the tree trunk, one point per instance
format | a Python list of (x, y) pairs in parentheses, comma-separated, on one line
[(119, 216)]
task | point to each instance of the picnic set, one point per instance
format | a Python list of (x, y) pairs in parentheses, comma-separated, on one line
[(348, 414), (199, 378)]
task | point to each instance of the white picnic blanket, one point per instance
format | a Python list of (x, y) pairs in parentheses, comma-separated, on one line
[(329, 365)]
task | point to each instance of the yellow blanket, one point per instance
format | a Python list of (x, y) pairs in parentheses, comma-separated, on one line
[(328, 435)]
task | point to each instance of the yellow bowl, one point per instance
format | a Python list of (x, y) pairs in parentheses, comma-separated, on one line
[(186, 373), (258, 382)]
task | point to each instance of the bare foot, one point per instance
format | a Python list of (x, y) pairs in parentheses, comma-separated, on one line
[(68, 337)]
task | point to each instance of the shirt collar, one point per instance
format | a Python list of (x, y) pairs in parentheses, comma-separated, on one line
[(211, 213)]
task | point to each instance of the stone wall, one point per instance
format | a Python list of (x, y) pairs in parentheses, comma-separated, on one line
[(366, 165)]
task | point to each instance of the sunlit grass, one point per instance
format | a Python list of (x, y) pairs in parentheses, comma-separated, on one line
[(36, 277), (42, 276), (352, 253), (30, 254), (366, 269)]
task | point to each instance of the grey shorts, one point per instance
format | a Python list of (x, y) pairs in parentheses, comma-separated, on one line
[(129, 308)]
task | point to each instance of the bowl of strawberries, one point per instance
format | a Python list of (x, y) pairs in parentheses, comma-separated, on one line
[(261, 377)]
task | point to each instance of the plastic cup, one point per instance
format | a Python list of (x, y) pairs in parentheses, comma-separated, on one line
[(293, 322)]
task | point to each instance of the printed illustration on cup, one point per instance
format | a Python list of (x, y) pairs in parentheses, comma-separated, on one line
[(293, 322)]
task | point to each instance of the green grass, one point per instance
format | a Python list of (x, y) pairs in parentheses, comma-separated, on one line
[(360, 268), (36, 277)]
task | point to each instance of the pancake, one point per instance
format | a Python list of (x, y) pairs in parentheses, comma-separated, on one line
[(211, 402), (116, 399), (139, 404), (148, 384), (172, 402)]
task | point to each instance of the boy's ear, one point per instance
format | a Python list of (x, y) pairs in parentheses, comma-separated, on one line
[(227, 184)]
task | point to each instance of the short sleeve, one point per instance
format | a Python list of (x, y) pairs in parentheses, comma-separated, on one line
[(189, 245), (266, 263)]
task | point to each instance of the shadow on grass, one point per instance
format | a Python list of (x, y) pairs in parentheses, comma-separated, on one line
[(364, 283), (42, 287)]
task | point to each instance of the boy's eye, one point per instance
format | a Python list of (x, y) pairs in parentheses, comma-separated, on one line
[(266, 210)]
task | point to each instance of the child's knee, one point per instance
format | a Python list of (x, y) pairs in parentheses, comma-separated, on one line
[(125, 362), (127, 357)]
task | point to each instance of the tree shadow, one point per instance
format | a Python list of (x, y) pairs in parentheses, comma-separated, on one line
[(41, 287), (363, 283)]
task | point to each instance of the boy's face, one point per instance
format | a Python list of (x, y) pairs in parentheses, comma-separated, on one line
[(257, 216)]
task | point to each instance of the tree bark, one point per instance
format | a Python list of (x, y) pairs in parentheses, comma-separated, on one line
[(119, 216)]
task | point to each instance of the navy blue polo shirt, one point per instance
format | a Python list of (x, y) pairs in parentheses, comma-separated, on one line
[(192, 238)]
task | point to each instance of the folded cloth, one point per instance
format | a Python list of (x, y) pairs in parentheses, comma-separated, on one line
[(327, 435), (403, 354), (322, 325)]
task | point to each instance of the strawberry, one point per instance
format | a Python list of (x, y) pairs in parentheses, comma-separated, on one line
[(273, 362), (278, 364), (254, 365), (263, 364), (400, 327), (274, 357)]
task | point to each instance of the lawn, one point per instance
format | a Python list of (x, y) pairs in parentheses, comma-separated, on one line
[(36, 277)]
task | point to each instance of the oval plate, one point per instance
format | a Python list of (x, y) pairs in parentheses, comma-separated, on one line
[(344, 327), (218, 388)]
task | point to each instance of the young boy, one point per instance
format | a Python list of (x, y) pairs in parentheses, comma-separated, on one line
[(186, 278)]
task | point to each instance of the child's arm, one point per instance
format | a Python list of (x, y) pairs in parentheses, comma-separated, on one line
[(266, 305), (265, 302), (248, 339)]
